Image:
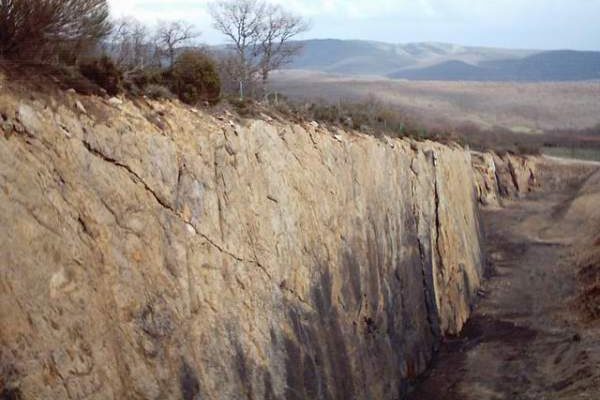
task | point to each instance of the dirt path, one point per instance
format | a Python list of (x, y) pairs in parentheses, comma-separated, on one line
[(524, 341)]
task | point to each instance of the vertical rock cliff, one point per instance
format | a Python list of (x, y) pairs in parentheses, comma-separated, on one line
[(151, 251)]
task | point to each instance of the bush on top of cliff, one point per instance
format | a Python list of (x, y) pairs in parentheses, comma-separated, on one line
[(59, 30), (194, 78), (370, 116), (103, 72)]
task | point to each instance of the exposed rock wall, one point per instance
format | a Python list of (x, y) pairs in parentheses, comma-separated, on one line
[(487, 181), (504, 177), (498, 178), (151, 251)]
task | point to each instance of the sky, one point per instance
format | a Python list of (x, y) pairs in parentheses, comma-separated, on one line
[(526, 24)]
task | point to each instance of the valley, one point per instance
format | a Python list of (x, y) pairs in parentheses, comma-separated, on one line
[(520, 107)]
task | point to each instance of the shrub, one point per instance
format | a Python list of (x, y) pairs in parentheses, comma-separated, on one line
[(136, 82), (156, 92), (194, 78), (104, 73), (529, 150), (147, 76), (37, 29), (370, 116), (245, 107)]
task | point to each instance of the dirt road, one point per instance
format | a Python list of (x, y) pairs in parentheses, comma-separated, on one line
[(525, 339)]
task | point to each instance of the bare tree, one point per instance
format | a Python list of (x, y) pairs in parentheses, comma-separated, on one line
[(241, 21), (278, 28), (172, 35), (231, 72), (130, 44), (259, 34), (34, 29)]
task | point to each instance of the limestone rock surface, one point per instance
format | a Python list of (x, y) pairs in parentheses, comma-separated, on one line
[(508, 176), (151, 251)]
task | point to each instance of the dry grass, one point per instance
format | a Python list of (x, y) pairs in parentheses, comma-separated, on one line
[(520, 107)]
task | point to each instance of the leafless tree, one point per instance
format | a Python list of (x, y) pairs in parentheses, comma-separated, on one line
[(259, 34), (241, 22), (130, 44), (231, 73), (278, 28), (172, 35), (34, 29)]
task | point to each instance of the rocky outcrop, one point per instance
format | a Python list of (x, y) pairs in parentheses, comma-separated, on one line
[(151, 251), (507, 177), (504, 177), (486, 179)]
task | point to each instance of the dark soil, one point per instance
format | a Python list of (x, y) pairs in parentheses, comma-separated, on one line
[(526, 339)]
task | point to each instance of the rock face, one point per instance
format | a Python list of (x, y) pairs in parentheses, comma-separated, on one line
[(150, 251), (507, 176), (486, 179)]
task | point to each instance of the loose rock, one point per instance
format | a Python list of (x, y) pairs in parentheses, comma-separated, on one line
[(29, 119), (80, 107)]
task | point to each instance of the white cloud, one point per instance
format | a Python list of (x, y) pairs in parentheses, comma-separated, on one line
[(351, 9), (514, 23), (152, 10)]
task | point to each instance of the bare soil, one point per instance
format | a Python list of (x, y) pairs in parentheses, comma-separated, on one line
[(526, 339)]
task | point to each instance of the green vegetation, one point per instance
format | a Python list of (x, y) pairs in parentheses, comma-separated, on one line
[(156, 92), (590, 154), (61, 30), (75, 43), (194, 78)]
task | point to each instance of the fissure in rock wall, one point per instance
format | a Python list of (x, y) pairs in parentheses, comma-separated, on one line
[(151, 251)]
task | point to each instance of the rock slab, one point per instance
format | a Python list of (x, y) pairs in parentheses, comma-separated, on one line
[(152, 252)]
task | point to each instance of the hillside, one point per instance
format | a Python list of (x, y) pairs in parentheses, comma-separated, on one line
[(442, 61), (446, 71), (541, 67), (351, 57), (358, 57), (522, 107)]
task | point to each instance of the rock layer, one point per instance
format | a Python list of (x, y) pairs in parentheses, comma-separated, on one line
[(151, 251), (504, 177)]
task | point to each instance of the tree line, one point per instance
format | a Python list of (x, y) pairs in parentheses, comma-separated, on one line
[(159, 59)]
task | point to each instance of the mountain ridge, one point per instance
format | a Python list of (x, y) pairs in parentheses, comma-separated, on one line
[(445, 61)]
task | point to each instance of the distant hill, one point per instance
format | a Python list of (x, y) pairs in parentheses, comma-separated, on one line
[(443, 61), (446, 71), (542, 67), (564, 65), (358, 57), (351, 57)]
